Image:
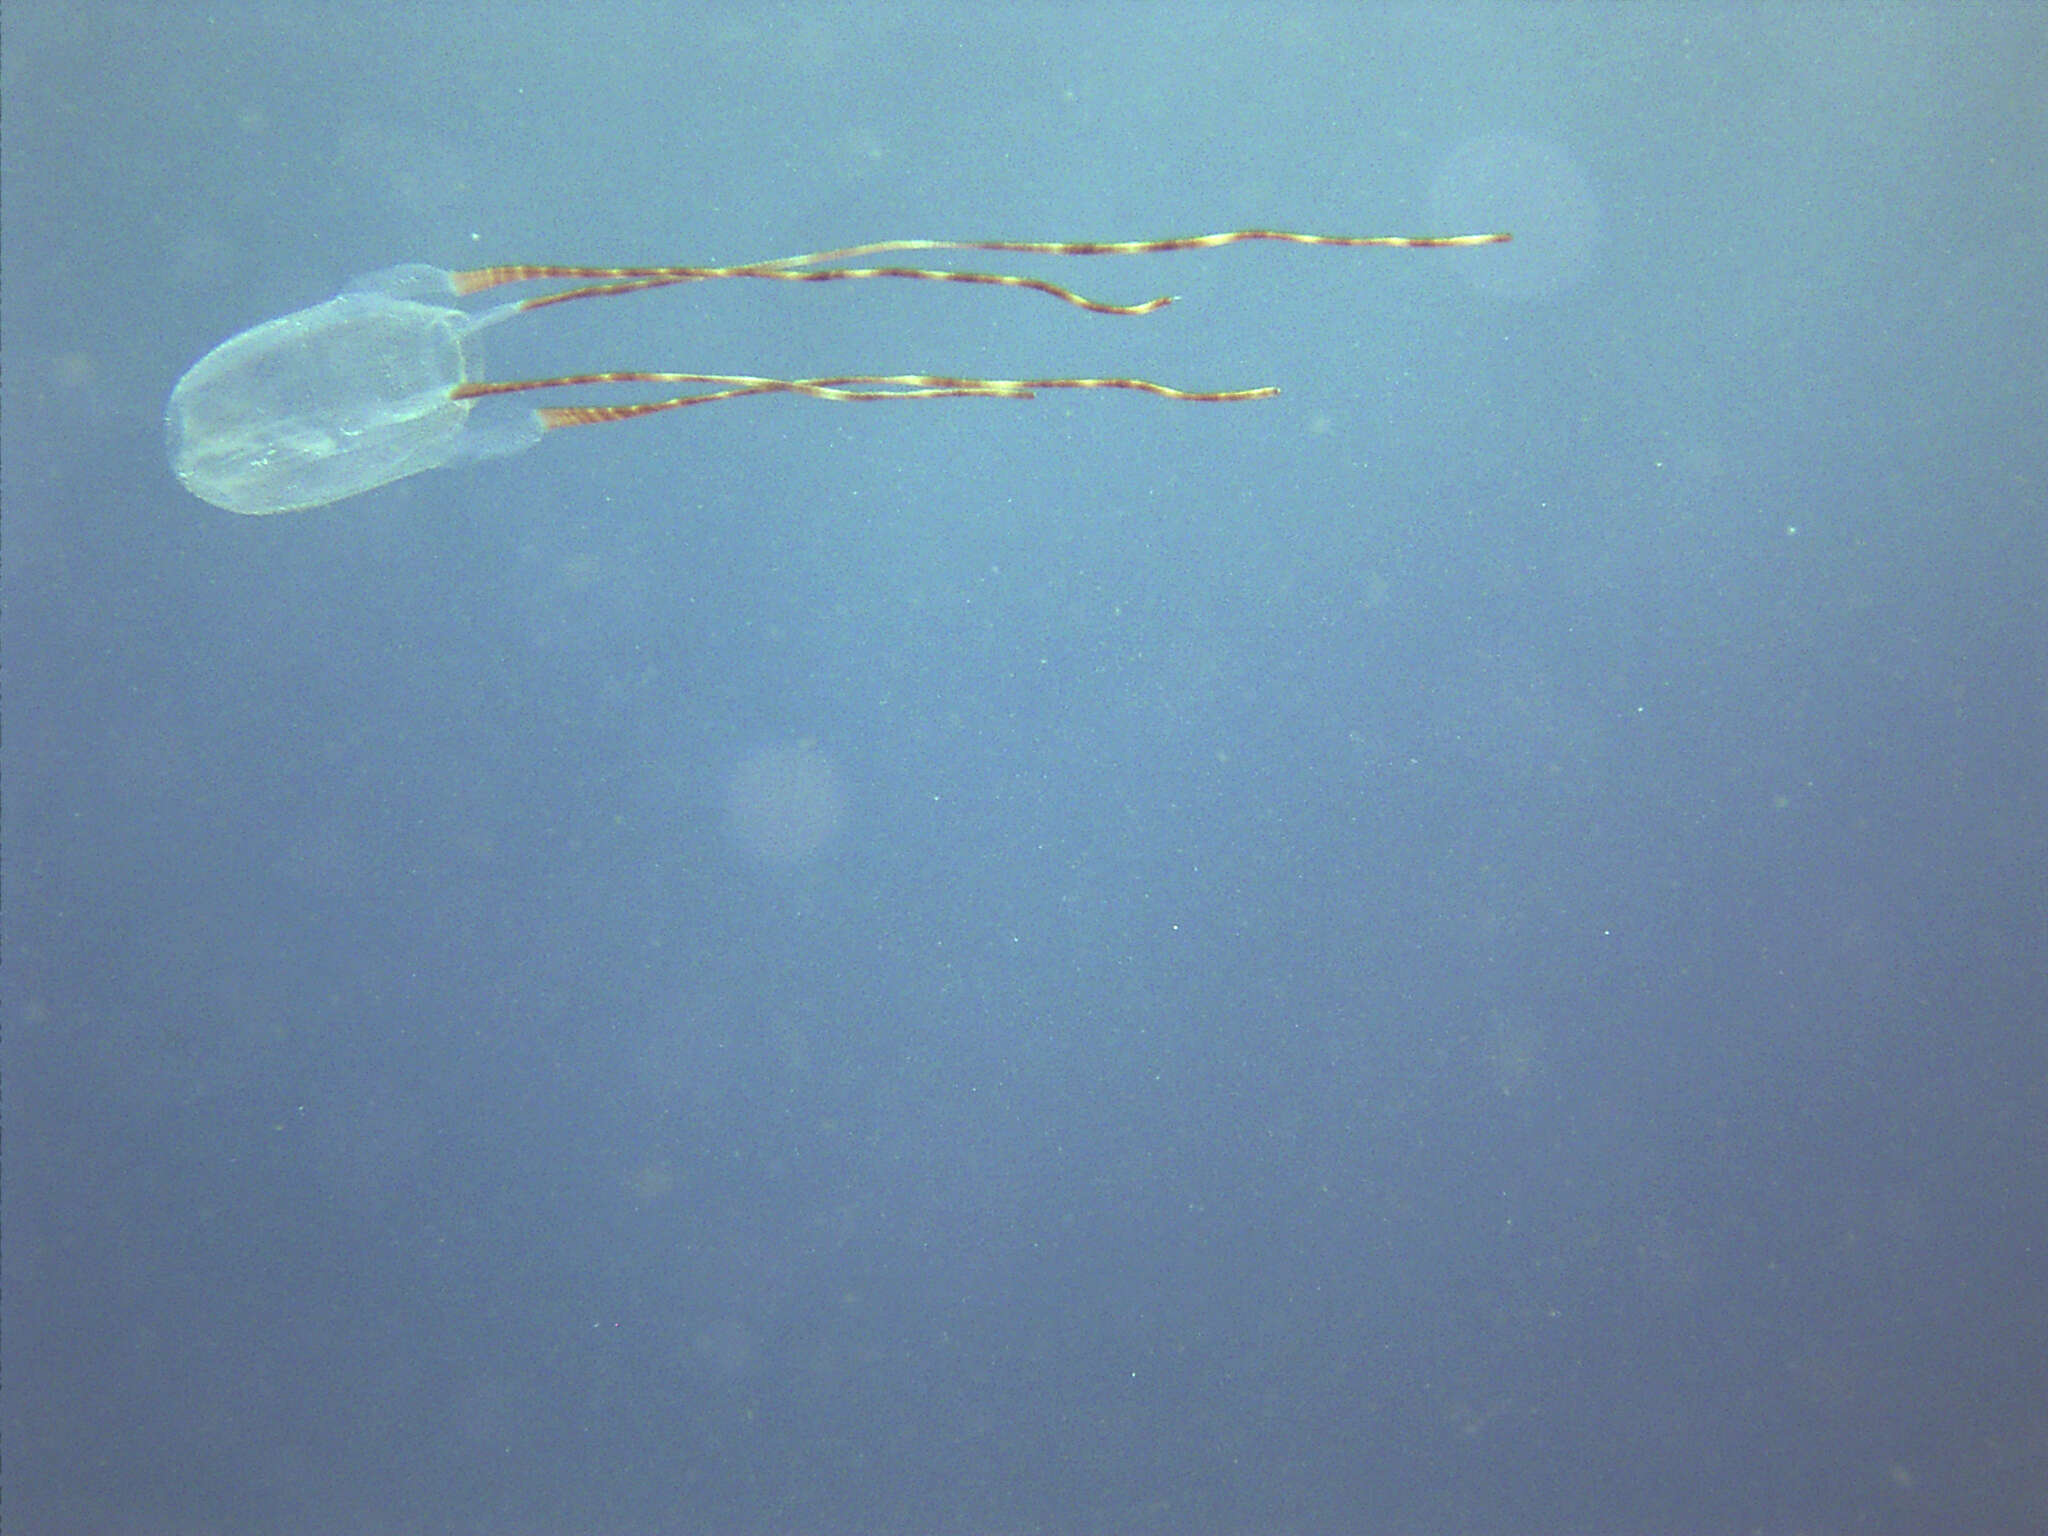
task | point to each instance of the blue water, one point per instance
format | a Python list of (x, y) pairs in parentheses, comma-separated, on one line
[(1460, 950)]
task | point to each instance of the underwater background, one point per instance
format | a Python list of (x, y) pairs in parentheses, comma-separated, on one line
[(1459, 950)]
